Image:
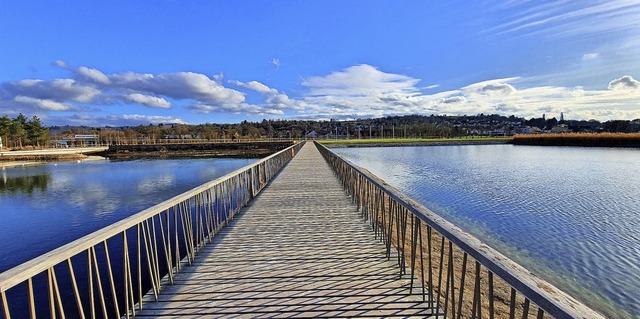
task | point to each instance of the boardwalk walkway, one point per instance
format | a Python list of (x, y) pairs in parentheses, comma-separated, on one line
[(299, 250)]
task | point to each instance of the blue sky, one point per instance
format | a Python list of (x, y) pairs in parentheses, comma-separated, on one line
[(141, 62)]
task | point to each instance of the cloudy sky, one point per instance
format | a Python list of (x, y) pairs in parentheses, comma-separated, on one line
[(140, 62)]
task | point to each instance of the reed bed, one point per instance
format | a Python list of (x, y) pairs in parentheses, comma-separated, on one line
[(580, 139)]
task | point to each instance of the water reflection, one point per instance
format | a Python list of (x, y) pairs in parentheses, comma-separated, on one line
[(25, 183), (46, 206), (571, 215)]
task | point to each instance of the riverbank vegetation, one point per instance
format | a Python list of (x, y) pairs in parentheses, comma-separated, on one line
[(416, 141), (21, 131), (580, 139)]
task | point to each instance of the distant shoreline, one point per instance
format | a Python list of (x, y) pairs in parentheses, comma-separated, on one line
[(430, 143), (35, 157), (142, 151), (399, 142), (626, 140)]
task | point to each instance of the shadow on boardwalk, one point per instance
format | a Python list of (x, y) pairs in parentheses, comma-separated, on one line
[(298, 250)]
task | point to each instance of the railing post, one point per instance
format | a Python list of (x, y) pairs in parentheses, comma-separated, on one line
[(214, 203), (389, 210)]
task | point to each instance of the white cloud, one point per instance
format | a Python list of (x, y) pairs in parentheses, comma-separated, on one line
[(276, 63), (114, 120), (361, 90), (358, 91), (274, 101), (498, 87), (179, 85), (624, 83), (346, 99), (147, 100), (569, 18), (59, 90), (256, 86), (61, 64), (93, 75), (454, 99), (136, 118), (43, 104), (360, 80), (590, 56), (241, 108)]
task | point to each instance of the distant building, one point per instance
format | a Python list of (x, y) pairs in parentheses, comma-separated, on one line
[(562, 128), (524, 130), (76, 140)]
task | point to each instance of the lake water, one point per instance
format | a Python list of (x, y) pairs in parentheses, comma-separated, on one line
[(571, 215), (46, 206)]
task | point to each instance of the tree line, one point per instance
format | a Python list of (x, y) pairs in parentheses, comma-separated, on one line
[(266, 129), (21, 131)]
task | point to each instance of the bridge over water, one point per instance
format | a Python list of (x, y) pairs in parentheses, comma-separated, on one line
[(319, 238)]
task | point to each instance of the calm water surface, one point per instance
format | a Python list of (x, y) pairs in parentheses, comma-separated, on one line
[(572, 215), (43, 207)]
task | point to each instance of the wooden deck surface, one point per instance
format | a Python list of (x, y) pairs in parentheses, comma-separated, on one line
[(300, 250)]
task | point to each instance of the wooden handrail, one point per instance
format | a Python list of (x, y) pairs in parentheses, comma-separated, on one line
[(226, 194), (551, 301)]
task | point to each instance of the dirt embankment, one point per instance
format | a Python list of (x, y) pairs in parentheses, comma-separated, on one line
[(246, 149), (42, 157)]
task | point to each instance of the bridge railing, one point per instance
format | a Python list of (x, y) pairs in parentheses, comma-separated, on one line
[(106, 273), (460, 275)]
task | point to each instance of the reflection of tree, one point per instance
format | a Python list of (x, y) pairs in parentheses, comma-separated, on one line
[(27, 184)]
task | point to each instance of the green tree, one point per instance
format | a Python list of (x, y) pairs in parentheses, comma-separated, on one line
[(5, 127), (17, 130), (35, 132)]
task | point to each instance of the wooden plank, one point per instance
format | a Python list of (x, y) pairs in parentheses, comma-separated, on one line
[(299, 250)]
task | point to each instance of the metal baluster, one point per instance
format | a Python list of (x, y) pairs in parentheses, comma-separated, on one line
[(491, 309), (166, 246), (453, 281), (430, 266), (5, 305), (76, 292), (414, 244), (52, 305), (404, 215), (126, 269), (512, 306), (462, 277), (99, 282), (525, 310), (32, 302), (56, 291), (138, 234), (477, 300), (156, 258), (150, 262), (111, 281), (92, 305)]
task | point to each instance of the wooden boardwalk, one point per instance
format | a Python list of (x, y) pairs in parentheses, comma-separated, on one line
[(299, 250)]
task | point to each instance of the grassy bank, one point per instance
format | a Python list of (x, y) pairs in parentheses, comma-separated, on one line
[(580, 139), (416, 141)]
